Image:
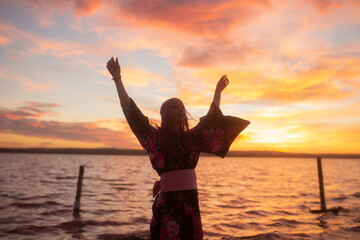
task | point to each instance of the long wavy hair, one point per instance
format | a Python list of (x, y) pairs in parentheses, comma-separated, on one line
[(165, 114), (167, 136)]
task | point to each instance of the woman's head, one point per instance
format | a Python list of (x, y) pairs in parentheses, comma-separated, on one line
[(173, 112)]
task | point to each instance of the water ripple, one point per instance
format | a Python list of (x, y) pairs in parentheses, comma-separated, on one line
[(240, 198)]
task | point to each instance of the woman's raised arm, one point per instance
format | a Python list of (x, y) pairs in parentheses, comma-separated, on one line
[(221, 85), (114, 69)]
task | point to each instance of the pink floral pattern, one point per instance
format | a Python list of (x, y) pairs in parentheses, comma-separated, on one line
[(176, 215), (151, 145), (173, 229)]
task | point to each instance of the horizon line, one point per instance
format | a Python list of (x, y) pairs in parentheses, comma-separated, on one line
[(125, 151)]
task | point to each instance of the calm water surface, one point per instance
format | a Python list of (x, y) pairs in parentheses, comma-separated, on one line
[(240, 198)]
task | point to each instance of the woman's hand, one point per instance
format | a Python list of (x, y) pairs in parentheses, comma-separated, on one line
[(114, 68), (115, 71), (221, 85)]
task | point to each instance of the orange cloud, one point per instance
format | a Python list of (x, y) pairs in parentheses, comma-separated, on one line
[(9, 140), (86, 7), (11, 33), (30, 110), (331, 76), (326, 6), (328, 78), (25, 121), (30, 85), (211, 18), (215, 53), (4, 40)]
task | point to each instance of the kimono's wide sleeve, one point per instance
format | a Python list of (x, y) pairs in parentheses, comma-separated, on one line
[(139, 125), (215, 132)]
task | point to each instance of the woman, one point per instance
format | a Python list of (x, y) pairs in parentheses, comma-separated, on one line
[(174, 151)]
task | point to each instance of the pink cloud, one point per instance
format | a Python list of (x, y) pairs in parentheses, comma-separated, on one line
[(214, 53), (4, 41), (26, 121), (86, 7), (30, 110), (326, 6), (196, 17), (30, 85)]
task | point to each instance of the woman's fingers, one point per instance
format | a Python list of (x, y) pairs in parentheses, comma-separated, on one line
[(223, 82), (224, 79), (110, 65), (111, 62), (113, 66)]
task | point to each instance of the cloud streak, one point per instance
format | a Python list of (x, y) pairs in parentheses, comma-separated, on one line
[(29, 43), (30, 110), (26, 121)]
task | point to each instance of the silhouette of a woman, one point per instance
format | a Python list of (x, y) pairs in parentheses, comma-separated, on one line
[(174, 151)]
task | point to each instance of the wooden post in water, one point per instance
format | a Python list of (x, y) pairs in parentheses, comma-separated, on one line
[(322, 193), (321, 185), (76, 211)]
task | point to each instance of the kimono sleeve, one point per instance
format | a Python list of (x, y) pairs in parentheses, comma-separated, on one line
[(139, 125), (215, 132)]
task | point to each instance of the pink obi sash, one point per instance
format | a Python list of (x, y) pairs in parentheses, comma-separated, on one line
[(178, 180)]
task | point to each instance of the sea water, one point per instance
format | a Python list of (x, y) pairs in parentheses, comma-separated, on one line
[(240, 198)]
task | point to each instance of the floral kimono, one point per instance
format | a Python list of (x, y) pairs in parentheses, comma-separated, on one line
[(176, 215)]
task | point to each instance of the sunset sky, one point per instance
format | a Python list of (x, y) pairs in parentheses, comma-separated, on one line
[(293, 66)]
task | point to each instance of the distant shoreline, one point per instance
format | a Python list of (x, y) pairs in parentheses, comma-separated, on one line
[(115, 151)]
